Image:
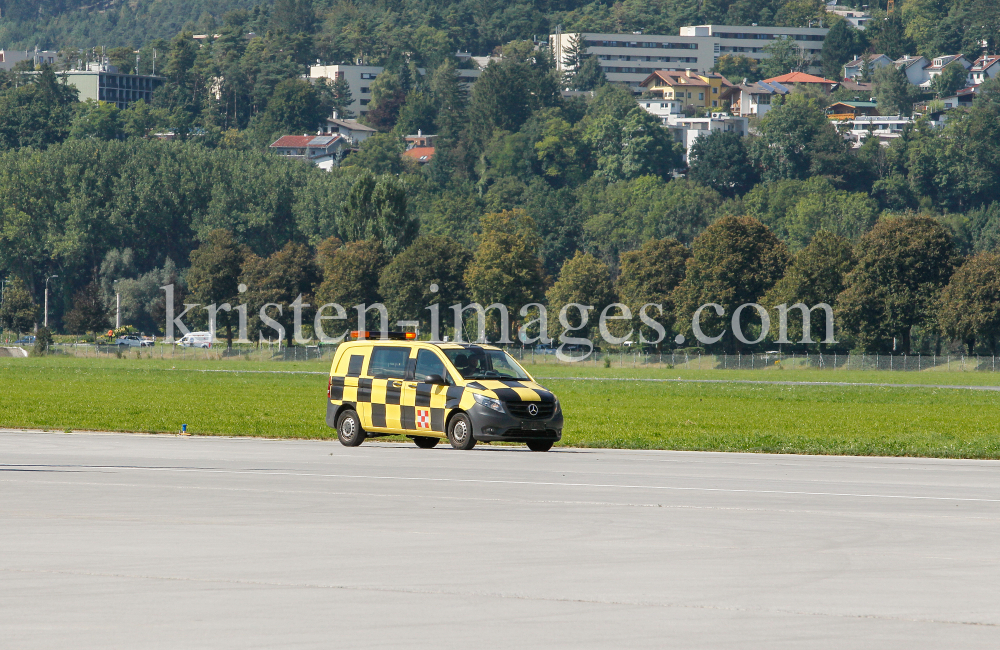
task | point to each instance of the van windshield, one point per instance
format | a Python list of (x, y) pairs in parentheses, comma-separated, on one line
[(476, 363)]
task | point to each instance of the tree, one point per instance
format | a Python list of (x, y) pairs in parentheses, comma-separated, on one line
[(589, 76), (633, 146), (796, 141), (842, 43), (574, 55), (784, 56), (99, 120), (294, 16), (720, 160), (388, 96), (341, 99), (37, 114), (738, 68), (379, 154), (735, 261), (88, 313), (887, 35), (405, 284), (450, 99), (417, 114), (282, 278), (969, 307), (19, 312), (376, 209), (351, 274), (295, 106), (650, 275), (214, 275), (505, 267), (951, 80), (815, 275), (902, 265), (584, 280)]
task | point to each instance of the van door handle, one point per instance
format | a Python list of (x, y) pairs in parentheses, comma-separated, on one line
[(395, 383)]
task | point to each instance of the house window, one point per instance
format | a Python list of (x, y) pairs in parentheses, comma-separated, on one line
[(715, 91), (689, 95), (701, 97), (715, 103)]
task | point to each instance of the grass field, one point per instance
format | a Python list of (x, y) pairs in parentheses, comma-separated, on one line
[(154, 395)]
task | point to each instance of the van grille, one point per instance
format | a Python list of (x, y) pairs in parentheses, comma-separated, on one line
[(520, 410)]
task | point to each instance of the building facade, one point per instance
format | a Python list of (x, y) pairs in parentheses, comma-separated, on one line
[(10, 58), (631, 58), (701, 90), (686, 130), (359, 79)]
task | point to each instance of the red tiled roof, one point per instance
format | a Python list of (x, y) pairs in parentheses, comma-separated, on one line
[(800, 78), (293, 141), (418, 153)]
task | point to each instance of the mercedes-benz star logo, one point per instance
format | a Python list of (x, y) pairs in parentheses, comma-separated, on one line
[(532, 409)]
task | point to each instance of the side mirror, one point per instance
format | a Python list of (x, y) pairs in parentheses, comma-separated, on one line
[(437, 380)]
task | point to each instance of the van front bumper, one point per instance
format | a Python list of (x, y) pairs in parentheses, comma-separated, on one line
[(491, 426)]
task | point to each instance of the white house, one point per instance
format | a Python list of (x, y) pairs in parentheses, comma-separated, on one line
[(10, 58), (856, 68), (688, 129), (354, 131), (853, 16), (985, 67), (914, 67), (324, 151), (884, 127), (754, 100), (940, 63)]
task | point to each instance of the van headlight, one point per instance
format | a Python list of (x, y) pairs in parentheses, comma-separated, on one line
[(488, 402)]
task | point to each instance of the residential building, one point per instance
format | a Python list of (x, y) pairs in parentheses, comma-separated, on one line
[(701, 90), (360, 77), (421, 139), (750, 41), (324, 151), (102, 82), (962, 99), (631, 58), (884, 127), (840, 111), (10, 58), (853, 16), (939, 63), (422, 155), (856, 68), (863, 89), (686, 129), (353, 131), (983, 68), (914, 67), (754, 100), (801, 78)]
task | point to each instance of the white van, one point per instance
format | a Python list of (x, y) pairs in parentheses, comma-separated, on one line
[(196, 340)]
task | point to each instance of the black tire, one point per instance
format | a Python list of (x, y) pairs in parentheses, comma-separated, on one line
[(349, 431), (460, 432), (539, 445), (426, 442)]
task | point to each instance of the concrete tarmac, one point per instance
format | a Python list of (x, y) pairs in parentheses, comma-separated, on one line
[(133, 541)]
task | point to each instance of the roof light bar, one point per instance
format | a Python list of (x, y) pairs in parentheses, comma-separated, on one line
[(385, 336)]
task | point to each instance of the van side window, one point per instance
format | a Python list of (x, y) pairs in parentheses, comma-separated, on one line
[(428, 364), (388, 363), (356, 363)]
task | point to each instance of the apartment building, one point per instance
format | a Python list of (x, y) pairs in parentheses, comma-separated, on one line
[(700, 90), (360, 77), (686, 130), (102, 82), (631, 58), (10, 58)]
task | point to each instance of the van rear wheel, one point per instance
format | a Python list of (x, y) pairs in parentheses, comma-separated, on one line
[(426, 442), (539, 445), (349, 431), (460, 432)]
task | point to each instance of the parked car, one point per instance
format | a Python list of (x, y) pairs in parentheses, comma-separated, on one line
[(133, 341), (27, 340)]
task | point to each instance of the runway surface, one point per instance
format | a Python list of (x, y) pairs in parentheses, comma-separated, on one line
[(133, 541)]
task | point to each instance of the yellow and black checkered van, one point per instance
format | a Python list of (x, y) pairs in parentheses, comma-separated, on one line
[(429, 391)]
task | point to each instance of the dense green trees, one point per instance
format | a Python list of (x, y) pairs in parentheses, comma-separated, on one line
[(19, 311), (969, 307)]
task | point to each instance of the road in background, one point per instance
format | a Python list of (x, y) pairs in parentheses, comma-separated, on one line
[(131, 541)]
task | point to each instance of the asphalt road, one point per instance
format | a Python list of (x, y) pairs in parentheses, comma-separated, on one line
[(129, 541)]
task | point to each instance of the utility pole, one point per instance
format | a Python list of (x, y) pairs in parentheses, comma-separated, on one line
[(47, 299), (118, 306)]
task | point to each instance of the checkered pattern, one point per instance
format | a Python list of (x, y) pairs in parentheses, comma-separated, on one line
[(423, 418)]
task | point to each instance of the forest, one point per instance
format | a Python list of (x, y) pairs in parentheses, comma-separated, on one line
[(530, 196)]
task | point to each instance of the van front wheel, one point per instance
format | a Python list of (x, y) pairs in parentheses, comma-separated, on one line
[(460, 432), (349, 431), (426, 442)]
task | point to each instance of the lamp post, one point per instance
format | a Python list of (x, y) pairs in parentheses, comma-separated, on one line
[(47, 299), (118, 306)]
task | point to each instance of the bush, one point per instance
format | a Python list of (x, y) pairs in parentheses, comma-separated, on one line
[(43, 339)]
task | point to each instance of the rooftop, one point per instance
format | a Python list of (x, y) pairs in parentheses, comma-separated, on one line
[(420, 154), (302, 141), (800, 78)]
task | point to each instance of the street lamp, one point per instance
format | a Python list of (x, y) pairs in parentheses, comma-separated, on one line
[(47, 299), (118, 306)]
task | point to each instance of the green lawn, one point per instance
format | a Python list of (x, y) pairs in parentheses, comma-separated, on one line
[(159, 395)]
